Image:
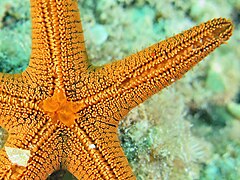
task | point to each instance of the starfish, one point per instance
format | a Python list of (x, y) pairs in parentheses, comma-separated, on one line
[(63, 113)]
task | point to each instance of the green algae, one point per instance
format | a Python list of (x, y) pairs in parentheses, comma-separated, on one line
[(234, 109), (175, 134)]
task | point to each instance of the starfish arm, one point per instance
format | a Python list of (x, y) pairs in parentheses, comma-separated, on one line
[(32, 152), (96, 153), (57, 49), (29, 131), (17, 100), (5, 165), (20, 86), (9, 170), (124, 84), (12, 110), (57, 43)]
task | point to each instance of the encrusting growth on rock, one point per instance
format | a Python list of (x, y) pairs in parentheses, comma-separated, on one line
[(64, 112)]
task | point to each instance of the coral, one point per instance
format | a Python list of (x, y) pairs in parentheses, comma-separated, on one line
[(225, 161), (14, 49), (12, 11), (158, 148)]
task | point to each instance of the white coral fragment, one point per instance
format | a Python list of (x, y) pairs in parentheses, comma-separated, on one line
[(18, 156)]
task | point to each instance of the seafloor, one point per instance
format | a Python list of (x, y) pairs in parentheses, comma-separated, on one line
[(190, 130)]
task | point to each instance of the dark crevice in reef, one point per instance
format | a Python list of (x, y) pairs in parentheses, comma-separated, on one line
[(238, 98), (61, 175), (215, 116), (236, 16)]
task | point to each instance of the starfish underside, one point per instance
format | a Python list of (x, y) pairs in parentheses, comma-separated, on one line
[(63, 113)]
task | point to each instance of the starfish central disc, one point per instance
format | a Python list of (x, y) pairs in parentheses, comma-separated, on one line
[(59, 108)]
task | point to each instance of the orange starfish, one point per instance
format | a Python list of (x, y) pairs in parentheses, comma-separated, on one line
[(63, 113)]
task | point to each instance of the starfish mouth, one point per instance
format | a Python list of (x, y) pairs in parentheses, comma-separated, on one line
[(60, 109)]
